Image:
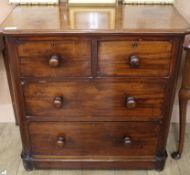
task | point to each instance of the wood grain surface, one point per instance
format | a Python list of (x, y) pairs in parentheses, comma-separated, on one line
[(154, 58), (74, 57), (94, 139), (129, 18), (96, 100)]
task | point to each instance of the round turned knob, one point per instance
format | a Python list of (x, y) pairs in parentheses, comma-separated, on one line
[(127, 140), (130, 102), (61, 141), (54, 61), (134, 61), (58, 102)]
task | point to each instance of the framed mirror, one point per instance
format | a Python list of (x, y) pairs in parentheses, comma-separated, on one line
[(92, 17), (92, 2)]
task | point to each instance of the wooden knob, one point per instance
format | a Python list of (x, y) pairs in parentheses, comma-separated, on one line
[(127, 140), (134, 61), (130, 102), (60, 141), (58, 102), (54, 61)]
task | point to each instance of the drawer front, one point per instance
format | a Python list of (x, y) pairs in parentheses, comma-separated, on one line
[(134, 58), (55, 58), (95, 100), (94, 138)]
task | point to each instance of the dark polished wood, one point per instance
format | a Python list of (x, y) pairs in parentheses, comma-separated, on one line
[(94, 139), (131, 102), (93, 95), (93, 100), (148, 58), (1, 43), (54, 60), (58, 101), (184, 97), (120, 19), (69, 57), (6, 56), (61, 141), (134, 61)]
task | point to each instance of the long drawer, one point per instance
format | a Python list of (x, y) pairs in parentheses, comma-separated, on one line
[(94, 138), (96, 100)]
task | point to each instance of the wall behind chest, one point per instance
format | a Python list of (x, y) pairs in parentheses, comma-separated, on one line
[(6, 110), (183, 7)]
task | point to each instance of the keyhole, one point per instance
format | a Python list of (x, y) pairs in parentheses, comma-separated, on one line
[(52, 44), (134, 45)]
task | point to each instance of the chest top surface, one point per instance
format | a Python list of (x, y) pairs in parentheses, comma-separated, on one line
[(119, 19)]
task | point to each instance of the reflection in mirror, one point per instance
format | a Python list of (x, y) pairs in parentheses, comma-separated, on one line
[(92, 17), (92, 2)]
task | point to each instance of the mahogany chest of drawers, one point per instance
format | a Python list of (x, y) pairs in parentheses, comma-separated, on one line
[(98, 98)]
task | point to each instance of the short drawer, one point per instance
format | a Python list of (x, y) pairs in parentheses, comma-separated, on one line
[(94, 138), (96, 100), (134, 58), (67, 58)]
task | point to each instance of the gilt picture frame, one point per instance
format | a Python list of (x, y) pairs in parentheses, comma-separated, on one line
[(92, 17), (92, 2)]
